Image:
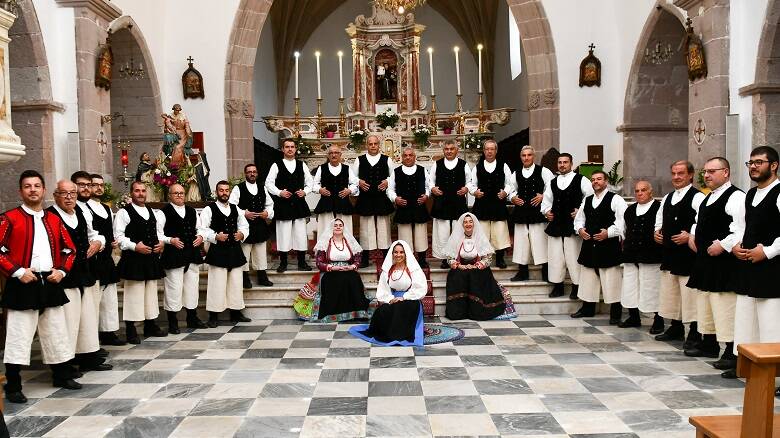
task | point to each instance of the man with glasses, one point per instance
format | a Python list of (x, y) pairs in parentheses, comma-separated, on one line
[(719, 225), (373, 172), (758, 299), (335, 183)]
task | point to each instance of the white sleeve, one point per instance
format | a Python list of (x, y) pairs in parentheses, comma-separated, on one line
[(467, 174), (585, 187), (547, 176), (472, 183), (316, 186), (391, 195), (204, 226), (659, 217), (355, 166), (618, 206), (431, 175), (308, 181), (512, 186), (235, 195), (243, 224), (160, 220), (579, 219), (353, 182), (269, 204), (419, 286), (383, 294), (120, 223), (547, 198), (735, 207), (508, 178), (772, 250), (270, 180)]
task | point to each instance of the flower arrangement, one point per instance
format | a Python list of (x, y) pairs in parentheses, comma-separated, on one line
[(329, 131), (166, 174), (447, 126), (357, 137), (387, 119), (302, 149), (473, 142), (421, 134)]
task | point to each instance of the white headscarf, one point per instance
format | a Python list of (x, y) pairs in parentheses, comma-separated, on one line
[(411, 262), (324, 239), (483, 246)]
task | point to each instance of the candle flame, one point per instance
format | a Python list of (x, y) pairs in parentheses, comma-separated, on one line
[(317, 53), (479, 47), (297, 54), (430, 49), (340, 53), (456, 48)]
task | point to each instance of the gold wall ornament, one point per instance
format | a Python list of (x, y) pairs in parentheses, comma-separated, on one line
[(105, 63), (694, 54), (590, 69), (399, 6)]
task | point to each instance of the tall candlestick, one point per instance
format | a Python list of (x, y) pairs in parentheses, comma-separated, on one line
[(319, 89), (297, 55), (341, 75), (479, 57), (457, 67), (430, 63)]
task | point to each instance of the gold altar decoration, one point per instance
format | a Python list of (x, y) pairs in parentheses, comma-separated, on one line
[(399, 6)]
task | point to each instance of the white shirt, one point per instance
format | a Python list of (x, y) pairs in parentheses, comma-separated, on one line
[(547, 176), (407, 170), (735, 207), (41, 260), (563, 182), (72, 221), (643, 208), (123, 218), (490, 167), (339, 255), (352, 181), (415, 286), (449, 165), (98, 208), (772, 250), (204, 223), (270, 181), (618, 206), (252, 188), (677, 196)]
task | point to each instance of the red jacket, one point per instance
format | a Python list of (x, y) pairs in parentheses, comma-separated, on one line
[(16, 241)]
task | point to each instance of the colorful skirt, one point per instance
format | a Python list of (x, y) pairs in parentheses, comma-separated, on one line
[(400, 323), (475, 294), (339, 296)]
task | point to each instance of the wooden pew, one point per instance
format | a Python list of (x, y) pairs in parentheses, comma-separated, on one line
[(759, 364)]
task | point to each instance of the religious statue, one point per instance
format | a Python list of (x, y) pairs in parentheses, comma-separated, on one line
[(386, 80), (145, 174), (192, 82), (694, 54), (105, 62), (177, 137)]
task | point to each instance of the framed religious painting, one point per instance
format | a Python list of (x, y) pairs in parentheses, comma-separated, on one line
[(105, 63), (694, 54), (192, 82), (590, 69)]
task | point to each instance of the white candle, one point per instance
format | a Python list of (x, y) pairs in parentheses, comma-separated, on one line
[(319, 89), (457, 68), (479, 57), (341, 75), (297, 54), (430, 63)]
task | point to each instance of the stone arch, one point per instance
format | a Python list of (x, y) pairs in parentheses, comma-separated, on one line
[(541, 64), (655, 115)]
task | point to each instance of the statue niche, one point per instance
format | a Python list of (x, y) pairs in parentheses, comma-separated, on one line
[(386, 77)]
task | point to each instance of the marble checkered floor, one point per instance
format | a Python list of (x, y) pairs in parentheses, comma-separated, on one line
[(536, 375)]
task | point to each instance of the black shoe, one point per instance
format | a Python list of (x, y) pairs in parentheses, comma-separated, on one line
[(96, 367), (282, 263), (588, 310), (694, 337), (732, 374), (658, 325), (634, 320), (213, 319), (727, 360), (151, 329), (16, 397), (557, 290), (102, 352), (364, 259), (708, 347), (237, 316), (247, 281), (193, 321), (66, 384), (500, 263), (545, 277), (575, 289), (675, 332), (110, 338), (615, 313), (444, 264), (302, 265), (173, 323), (777, 392), (421, 260), (262, 279), (522, 273), (131, 333)]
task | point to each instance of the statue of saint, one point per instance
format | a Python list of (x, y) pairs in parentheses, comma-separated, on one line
[(385, 79), (177, 136)]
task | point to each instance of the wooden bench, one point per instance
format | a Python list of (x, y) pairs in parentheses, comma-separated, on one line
[(759, 365)]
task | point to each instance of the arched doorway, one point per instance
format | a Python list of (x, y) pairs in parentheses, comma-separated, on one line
[(655, 128)]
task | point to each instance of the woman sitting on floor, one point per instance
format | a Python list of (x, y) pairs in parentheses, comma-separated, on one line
[(340, 295), (472, 292), (399, 318)]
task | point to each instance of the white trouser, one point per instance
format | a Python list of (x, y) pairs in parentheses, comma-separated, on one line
[(640, 286), (323, 219), (715, 314), (52, 332), (375, 232), (139, 302), (81, 320), (497, 232), (562, 254), (255, 255), (756, 320), (606, 281), (530, 244), (108, 320), (225, 289), (676, 300), (291, 235), (181, 288), (416, 235), (442, 228), (97, 298)]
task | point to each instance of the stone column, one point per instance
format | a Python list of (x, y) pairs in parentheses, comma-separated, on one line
[(11, 148)]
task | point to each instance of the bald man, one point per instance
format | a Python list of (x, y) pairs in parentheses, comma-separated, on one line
[(408, 189), (335, 183)]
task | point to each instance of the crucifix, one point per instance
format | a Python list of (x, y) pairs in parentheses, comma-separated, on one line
[(102, 143), (591, 47), (190, 60)]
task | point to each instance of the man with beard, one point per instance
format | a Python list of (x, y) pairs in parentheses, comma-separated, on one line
[(408, 189), (527, 187), (489, 185), (373, 172), (448, 179), (335, 183), (224, 226), (758, 299), (103, 265), (181, 259), (719, 225), (135, 228), (562, 196), (258, 210), (288, 182)]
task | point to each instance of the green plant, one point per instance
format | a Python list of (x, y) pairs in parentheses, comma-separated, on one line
[(302, 148), (421, 134), (357, 137), (234, 181), (474, 142), (613, 176), (109, 195), (329, 128), (387, 119), (700, 179)]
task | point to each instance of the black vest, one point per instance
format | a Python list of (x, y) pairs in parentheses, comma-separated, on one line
[(102, 264), (449, 206), (80, 274), (489, 207), (527, 188), (713, 274), (225, 254), (334, 183), (639, 245), (564, 201), (604, 254), (185, 228), (678, 259), (287, 209), (762, 225), (134, 265), (259, 230), (410, 187), (373, 202)]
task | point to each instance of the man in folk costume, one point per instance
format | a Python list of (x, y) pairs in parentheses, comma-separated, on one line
[(373, 172), (335, 182), (36, 253), (527, 187), (224, 226), (720, 223), (562, 197), (448, 179), (103, 264), (758, 299), (288, 182), (641, 259), (135, 228), (181, 259), (490, 184), (258, 209), (408, 189), (673, 223), (81, 286), (599, 222)]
